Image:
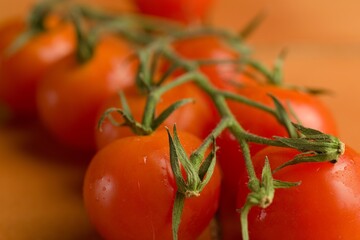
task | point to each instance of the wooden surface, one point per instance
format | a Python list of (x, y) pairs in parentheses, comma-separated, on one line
[(40, 181)]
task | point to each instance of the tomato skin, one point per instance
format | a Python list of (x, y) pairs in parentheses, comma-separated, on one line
[(310, 110), (325, 206), (129, 190), (21, 71), (71, 94), (225, 76), (198, 118), (185, 11)]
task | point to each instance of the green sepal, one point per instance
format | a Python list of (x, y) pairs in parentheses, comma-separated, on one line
[(168, 111), (277, 74), (207, 167), (283, 117), (193, 179), (173, 67), (283, 184), (310, 90), (267, 184), (251, 26), (125, 105), (21, 41), (143, 76), (175, 165)]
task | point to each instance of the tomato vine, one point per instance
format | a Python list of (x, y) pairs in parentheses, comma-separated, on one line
[(154, 40)]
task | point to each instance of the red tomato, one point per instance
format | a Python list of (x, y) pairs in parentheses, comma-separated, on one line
[(309, 109), (326, 205), (225, 76), (185, 11), (129, 190), (198, 118), (72, 93), (21, 71)]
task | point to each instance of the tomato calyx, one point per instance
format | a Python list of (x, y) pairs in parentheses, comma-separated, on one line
[(150, 121), (261, 194), (198, 173), (314, 145)]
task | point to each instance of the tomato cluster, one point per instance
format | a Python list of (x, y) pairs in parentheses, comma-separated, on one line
[(115, 94)]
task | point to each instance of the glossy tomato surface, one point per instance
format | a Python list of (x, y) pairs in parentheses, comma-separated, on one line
[(185, 11), (198, 117), (129, 190), (326, 205), (22, 70), (311, 111), (225, 76), (72, 93)]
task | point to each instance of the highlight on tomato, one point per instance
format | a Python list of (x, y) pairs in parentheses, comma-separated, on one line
[(309, 110), (129, 190), (325, 205), (26, 53), (198, 116), (184, 11), (71, 94)]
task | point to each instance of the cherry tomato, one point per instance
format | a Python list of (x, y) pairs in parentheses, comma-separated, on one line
[(225, 76), (198, 118), (129, 190), (72, 93), (22, 70), (185, 11), (325, 205), (309, 109)]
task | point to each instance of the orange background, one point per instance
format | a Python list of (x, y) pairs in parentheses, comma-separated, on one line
[(40, 181)]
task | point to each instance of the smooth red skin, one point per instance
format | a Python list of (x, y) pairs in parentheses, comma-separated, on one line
[(185, 11), (129, 190), (72, 93), (325, 206), (198, 118), (209, 47), (312, 113), (21, 72)]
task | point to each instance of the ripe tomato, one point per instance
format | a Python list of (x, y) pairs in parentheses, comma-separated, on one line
[(326, 205), (185, 11), (72, 93), (309, 109), (225, 76), (21, 71), (129, 190), (198, 118)]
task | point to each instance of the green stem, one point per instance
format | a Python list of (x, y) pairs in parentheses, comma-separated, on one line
[(244, 221), (247, 101), (233, 125)]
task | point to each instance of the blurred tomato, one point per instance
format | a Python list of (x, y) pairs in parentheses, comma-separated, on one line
[(225, 75), (186, 11), (23, 69), (72, 93)]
